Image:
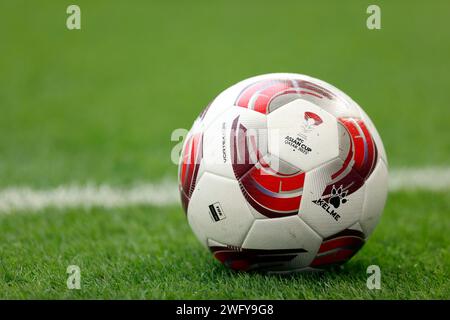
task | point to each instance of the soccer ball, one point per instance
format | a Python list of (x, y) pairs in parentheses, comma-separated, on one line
[(281, 173)]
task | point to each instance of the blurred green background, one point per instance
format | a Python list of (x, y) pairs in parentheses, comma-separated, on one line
[(100, 103)]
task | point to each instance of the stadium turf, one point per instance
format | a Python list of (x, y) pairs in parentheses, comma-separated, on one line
[(151, 253), (99, 105)]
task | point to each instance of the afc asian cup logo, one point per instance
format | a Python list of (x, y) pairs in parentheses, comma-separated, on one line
[(311, 120)]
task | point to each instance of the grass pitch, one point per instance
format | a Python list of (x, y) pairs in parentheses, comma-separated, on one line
[(99, 105), (149, 253)]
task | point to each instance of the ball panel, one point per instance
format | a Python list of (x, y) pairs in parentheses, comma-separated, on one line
[(303, 134), (189, 167), (358, 152), (276, 179), (218, 106), (376, 136), (339, 248), (375, 198), (285, 233), (254, 259), (218, 210), (273, 187), (226, 99), (329, 212), (343, 105), (266, 93), (218, 156)]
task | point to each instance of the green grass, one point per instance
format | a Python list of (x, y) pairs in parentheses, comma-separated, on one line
[(151, 253), (100, 104)]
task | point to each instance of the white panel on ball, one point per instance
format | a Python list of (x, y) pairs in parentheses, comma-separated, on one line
[(343, 105), (321, 215), (217, 149), (218, 210), (303, 134), (375, 198), (227, 98), (340, 104), (284, 233)]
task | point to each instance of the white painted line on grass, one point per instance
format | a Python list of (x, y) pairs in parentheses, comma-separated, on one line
[(166, 192), (428, 178), (88, 196)]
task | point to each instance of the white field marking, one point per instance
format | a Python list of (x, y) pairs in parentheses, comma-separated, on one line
[(166, 192), (427, 178), (88, 196)]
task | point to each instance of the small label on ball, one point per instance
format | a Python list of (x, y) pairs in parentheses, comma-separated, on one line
[(216, 212)]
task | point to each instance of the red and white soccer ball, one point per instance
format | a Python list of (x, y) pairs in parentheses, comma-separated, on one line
[(283, 172)]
